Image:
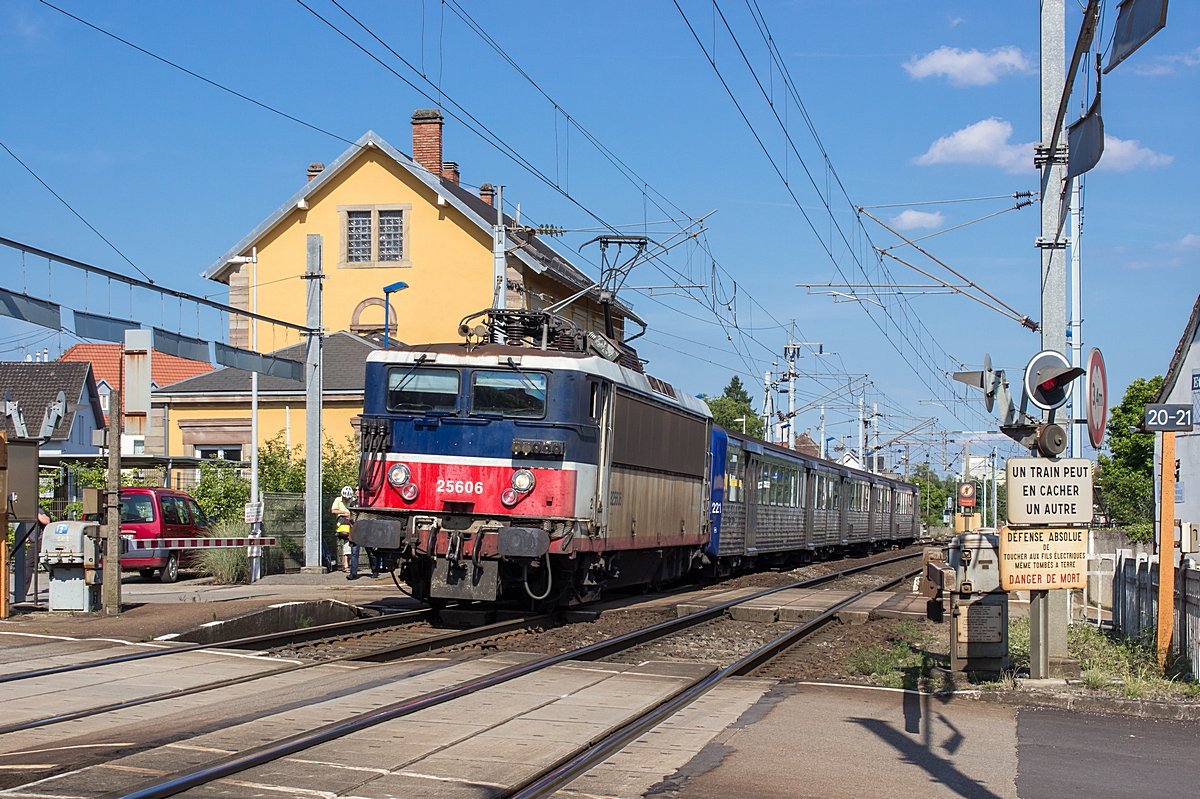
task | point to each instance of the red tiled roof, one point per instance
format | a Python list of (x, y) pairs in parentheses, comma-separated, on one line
[(106, 364)]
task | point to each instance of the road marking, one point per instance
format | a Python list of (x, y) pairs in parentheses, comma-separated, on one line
[(956, 692), (61, 748), (29, 767), (340, 765), (132, 769), (70, 638), (199, 749), (449, 779), (11, 791)]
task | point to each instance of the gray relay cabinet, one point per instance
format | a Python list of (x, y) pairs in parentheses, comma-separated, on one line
[(71, 552)]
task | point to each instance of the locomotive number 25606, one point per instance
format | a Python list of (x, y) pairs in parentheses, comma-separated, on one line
[(458, 487)]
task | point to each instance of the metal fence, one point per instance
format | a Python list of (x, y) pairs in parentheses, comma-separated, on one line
[(1135, 601)]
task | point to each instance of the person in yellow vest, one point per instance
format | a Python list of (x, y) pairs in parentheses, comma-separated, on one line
[(343, 529)]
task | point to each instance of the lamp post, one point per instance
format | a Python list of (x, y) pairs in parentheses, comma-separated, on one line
[(387, 320), (741, 419)]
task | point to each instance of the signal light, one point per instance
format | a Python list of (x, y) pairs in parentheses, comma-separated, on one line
[(409, 492), (509, 497)]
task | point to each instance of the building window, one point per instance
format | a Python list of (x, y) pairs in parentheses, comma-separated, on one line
[(104, 402), (374, 235), (358, 237), (219, 453), (391, 236)]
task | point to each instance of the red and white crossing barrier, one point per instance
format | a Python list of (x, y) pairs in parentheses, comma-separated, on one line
[(198, 543)]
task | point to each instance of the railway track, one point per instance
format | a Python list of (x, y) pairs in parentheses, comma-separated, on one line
[(547, 781)]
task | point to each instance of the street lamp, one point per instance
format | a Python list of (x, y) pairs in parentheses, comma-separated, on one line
[(387, 322), (742, 419)]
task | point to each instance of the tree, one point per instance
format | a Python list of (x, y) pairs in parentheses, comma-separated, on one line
[(1126, 479), (221, 493), (735, 403), (934, 491)]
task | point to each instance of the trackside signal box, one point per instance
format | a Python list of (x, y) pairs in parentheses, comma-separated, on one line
[(71, 552), (969, 573)]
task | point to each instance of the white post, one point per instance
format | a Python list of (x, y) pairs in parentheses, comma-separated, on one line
[(862, 431), (1076, 438), (767, 405), (499, 266), (312, 411), (256, 527), (824, 452), (791, 439)]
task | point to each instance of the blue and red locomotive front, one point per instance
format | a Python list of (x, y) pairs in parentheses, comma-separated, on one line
[(492, 470)]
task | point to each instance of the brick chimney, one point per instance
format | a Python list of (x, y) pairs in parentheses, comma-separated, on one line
[(450, 171), (488, 194), (314, 169), (427, 139)]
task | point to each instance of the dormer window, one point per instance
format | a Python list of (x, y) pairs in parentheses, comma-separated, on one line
[(374, 235)]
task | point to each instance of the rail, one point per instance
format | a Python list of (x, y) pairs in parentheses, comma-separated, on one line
[(226, 766)]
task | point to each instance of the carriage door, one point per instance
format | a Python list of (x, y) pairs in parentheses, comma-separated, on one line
[(753, 482), (602, 413)]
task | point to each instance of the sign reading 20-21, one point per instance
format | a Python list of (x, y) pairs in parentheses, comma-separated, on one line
[(1048, 491)]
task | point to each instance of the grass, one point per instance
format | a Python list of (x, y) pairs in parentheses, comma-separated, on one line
[(227, 565), (1112, 664), (903, 662)]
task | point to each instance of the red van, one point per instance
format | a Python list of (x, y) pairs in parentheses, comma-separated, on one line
[(149, 513)]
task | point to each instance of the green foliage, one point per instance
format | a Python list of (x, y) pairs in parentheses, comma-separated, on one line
[(95, 475), (903, 662), (339, 466), (934, 491), (280, 468), (1126, 479), (225, 565), (735, 403), (221, 493)]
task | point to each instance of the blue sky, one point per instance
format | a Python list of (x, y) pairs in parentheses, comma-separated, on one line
[(913, 101)]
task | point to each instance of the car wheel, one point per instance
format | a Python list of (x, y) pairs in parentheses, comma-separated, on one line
[(170, 572), (146, 573)]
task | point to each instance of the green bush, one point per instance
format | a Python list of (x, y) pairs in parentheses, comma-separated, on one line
[(225, 565)]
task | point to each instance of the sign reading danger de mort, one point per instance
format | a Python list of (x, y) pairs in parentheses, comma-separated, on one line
[(1042, 558), (1045, 491)]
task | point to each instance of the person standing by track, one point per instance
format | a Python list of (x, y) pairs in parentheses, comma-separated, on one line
[(345, 534)]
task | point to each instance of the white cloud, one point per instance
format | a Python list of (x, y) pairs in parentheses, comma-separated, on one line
[(912, 220), (969, 67), (985, 143), (1165, 64), (1189, 242), (1122, 155), (956, 21)]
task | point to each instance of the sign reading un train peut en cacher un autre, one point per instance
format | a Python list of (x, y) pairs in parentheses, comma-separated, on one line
[(1049, 492), (1046, 494)]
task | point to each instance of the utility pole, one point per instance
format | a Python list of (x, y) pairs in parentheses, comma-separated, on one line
[(768, 406), (312, 409), (499, 262), (862, 430), (1076, 434), (1048, 610), (1166, 548), (824, 448), (875, 430), (995, 503), (111, 574), (4, 587)]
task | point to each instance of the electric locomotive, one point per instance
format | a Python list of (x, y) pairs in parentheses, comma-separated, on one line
[(538, 460), (548, 465)]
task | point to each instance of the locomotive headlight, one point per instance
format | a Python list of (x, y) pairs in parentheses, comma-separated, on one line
[(398, 475), (522, 481), (409, 492), (509, 497)]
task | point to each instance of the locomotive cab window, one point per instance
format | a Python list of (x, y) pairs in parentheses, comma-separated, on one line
[(518, 395), (422, 390)]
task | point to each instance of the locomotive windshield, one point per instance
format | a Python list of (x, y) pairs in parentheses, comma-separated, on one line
[(422, 390), (512, 394)]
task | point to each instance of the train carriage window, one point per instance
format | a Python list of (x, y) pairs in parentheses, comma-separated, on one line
[(422, 390), (511, 394), (735, 476)]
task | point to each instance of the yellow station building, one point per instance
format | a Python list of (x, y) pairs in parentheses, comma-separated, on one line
[(384, 217)]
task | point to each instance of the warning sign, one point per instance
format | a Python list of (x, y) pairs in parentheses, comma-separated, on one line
[(1042, 558), (1047, 491)]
